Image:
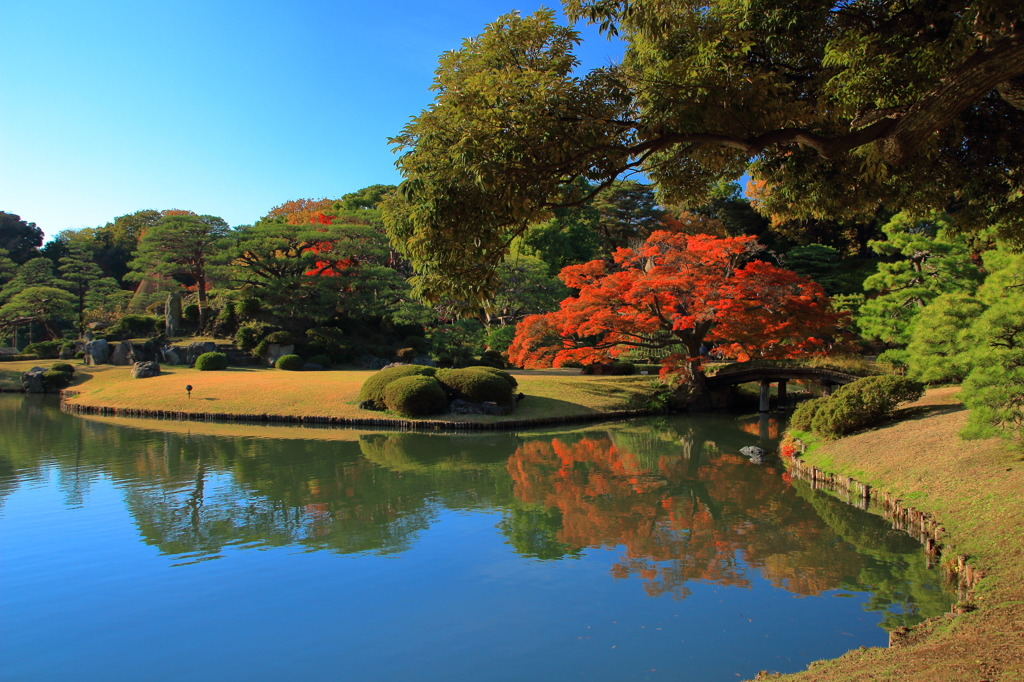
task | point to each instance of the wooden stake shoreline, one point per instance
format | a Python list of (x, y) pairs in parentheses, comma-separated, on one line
[(919, 525)]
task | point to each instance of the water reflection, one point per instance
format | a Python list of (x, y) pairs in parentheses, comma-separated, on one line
[(670, 496)]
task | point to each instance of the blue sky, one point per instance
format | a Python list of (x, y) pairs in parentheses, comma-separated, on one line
[(220, 107)]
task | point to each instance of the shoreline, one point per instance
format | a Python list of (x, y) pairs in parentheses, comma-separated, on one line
[(343, 422)]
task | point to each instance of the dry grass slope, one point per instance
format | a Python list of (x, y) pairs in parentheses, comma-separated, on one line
[(974, 488)]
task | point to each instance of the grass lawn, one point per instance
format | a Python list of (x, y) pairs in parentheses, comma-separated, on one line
[(974, 489), (251, 390)]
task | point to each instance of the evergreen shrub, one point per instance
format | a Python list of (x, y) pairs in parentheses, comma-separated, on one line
[(63, 367), (45, 350), (623, 368), (373, 388), (211, 361), (477, 385), (134, 326), (500, 373), (291, 363), (863, 403), (322, 360), (415, 396), (55, 379), (405, 354), (803, 415)]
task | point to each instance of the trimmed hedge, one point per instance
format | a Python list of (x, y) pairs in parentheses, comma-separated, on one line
[(499, 373), (415, 396), (55, 379), (211, 361), (44, 350), (475, 384), (373, 388), (19, 357), (863, 403), (291, 363), (63, 367), (803, 415), (623, 369)]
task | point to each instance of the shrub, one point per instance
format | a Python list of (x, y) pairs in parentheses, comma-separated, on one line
[(247, 308), (863, 403), (500, 373), (804, 413), (63, 367), (405, 354), (476, 385), (894, 360), (56, 379), (134, 326), (415, 396), (322, 360), (417, 343), (623, 368), (291, 363), (373, 388), (281, 337), (80, 355), (248, 336), (190, 313), (211, 361), (498, 339), (45, 350)]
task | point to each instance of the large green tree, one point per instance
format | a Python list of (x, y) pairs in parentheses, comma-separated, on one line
[(834, 106), (19, 238), (183, 245)]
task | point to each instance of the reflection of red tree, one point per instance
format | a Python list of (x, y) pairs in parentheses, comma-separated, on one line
[(676, 529), (754, 428)]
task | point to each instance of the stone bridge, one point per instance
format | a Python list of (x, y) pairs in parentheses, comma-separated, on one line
[(766, 376)]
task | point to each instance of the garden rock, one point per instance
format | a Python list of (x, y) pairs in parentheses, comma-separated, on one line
[(371, 362), (755, 454), (369, 405), (424, 360), (124, 354), (97, 352), (459, 406), (145, 370), (32, 380), (276, 351), (172, 355), (197, 349), (66, 354)]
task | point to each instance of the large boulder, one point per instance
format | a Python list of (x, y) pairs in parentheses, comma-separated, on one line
[(276, 351), (97, 352), (173, 355), (756, 454), (371, 362), (145, 370), (123, 355), (32, 380), (197, 349)]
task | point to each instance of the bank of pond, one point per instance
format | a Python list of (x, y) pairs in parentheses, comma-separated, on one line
[(643, 549)]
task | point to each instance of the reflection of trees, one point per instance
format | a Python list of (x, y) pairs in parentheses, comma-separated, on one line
[(675, 523)]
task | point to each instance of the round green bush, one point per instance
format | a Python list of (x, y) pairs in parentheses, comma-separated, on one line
[(477, 385), (56, 379), (804, 413), (499, 373), (281, 337), (322, 360), (291, 363), (415, 396), (190, 313), (373, 388), (211, 361), (80, 355), (63, 367), (863, 403)]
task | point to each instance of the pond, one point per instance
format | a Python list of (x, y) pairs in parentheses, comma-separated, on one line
[(639, 550)]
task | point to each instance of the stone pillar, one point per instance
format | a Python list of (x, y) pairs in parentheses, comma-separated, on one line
[(782, 395), (766, 389), (172, 314)]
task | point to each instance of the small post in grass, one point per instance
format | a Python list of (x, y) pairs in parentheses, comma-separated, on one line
[(188, 387)]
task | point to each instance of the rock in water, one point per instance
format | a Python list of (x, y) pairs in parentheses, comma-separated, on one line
[(145, 370), (32, 380), (97, 352), (124, 354), (755, 454)]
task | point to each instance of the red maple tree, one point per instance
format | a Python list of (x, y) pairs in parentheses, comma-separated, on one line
[(678, 291)]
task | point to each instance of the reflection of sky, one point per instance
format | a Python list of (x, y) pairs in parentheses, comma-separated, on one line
[(91, 602)]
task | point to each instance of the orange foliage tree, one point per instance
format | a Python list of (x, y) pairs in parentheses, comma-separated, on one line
[(675, 292)]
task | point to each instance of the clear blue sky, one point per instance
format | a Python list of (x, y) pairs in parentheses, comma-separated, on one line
[(220, 107)]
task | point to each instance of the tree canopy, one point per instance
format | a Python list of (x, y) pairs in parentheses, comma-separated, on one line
[(835, 107)]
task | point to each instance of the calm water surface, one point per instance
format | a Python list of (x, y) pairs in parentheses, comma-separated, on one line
[(644, 550)]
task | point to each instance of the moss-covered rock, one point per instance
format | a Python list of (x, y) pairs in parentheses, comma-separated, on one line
[(372, 390), (415, 396), (476, 385), (55, 380)]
